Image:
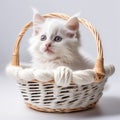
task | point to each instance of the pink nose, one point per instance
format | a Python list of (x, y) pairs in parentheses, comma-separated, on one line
[(48, 45)]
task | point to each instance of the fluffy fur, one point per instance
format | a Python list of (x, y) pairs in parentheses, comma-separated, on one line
[(65, 52), (54, 47)]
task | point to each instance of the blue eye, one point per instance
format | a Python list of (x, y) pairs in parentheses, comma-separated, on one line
[(58, 39), (43, 37)]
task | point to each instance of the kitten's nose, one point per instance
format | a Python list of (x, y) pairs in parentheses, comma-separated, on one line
[(48, 45)]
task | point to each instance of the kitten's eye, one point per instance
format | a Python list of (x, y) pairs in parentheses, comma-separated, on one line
[(58, 39), (43, 37)]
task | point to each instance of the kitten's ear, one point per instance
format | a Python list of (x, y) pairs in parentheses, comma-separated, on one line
[(37, 20), (73, 24)]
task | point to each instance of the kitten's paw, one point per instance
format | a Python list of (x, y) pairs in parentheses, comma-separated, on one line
[(13, 70), (43, 75), (63, 76)]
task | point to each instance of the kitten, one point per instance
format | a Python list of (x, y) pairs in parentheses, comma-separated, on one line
[(56, 42), (54, 47)]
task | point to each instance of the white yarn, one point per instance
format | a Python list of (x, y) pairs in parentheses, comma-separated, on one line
[(26, 74), (109, 70), (13, 70), (62, 75), (83, 77), (43, 75)]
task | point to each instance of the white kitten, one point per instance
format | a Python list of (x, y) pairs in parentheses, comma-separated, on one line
[(55, 56), (54, 47), (55, 42)]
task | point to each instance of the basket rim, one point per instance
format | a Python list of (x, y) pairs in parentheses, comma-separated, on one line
[(82, 77)]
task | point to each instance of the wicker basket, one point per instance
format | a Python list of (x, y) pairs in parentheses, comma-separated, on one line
[(49, 97)]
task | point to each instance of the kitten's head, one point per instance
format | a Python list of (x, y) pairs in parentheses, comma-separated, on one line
[(54, 38)]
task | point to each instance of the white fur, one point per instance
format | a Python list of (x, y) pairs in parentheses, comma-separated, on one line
[(64, 64), (62, 75), (65, 53), (84, 77), (43, 75), (13, 70), (26, 74)]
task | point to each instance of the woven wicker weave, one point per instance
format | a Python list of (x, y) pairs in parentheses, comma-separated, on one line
[(51, 98), (47, 96)]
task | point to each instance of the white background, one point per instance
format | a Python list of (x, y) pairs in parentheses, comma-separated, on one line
[(104, 14)]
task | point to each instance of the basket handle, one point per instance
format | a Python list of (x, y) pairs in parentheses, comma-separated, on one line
[(99, 65)]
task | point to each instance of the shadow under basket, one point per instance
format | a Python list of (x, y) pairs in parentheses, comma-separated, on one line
[(49, 97)]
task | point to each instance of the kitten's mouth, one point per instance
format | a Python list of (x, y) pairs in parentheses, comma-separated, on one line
[(49, 51)]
